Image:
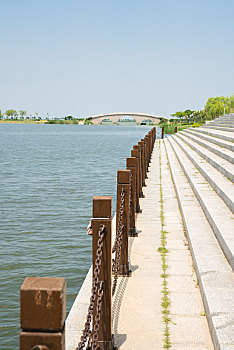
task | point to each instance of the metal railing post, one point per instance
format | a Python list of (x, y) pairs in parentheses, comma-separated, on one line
[(175, 129), (102, 214), (131, 165), (123, 184), (42, 313)]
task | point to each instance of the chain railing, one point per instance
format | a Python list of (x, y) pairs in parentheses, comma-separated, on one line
[(130, 192), (96, 290), (99, 316), (118, 242)]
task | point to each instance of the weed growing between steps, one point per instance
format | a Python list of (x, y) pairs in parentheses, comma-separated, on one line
[(163, 251)]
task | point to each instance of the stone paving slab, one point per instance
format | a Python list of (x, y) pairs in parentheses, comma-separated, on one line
[(215, 277), (188, 327), (137, 312)]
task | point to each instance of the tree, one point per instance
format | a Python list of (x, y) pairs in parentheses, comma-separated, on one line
[(11, 113), (36, 116), (69, 117), (215, 106), (22, 113), (178, 114), (188, 112), (1, 114), (230, 103)]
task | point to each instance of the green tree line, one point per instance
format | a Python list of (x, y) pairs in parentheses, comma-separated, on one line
[(214, 107), (13, 114)]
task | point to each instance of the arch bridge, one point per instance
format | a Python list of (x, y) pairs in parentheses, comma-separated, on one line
[(114, 117)]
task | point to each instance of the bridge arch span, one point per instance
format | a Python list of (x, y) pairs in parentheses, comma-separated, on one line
[(114, 117)]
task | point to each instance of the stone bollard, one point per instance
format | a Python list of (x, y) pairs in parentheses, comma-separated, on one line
[(138, 155), (162, 132), (147, 152), (131, 165), (141, 144), (150, 142), (123, 184), (42, 313), (145, 157), (135, 153), (154, 133), (102, 215)]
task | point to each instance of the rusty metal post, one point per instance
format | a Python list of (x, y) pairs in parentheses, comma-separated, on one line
[(162, 132), (134, 153), (175, 129), (138, 155), (42, 313), (102, 214), (123, 182), (141, 144), (131, 165)]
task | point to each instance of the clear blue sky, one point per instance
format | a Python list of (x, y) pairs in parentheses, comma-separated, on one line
[(98, 56)]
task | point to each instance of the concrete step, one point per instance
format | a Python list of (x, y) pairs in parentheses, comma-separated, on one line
[(217, 213), (230, 120), (217, 133), (226, 118), (208, 126), (225, 124), (222, 165), (217, 141), (222, 186), (215, 277), (221, 152)]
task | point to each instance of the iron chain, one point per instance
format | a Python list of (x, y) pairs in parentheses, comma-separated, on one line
[(140, 163), (130, 188), (97, 317), (96, 290), (118, 242)]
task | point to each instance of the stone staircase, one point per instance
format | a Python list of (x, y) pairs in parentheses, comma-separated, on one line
[(202, 167)]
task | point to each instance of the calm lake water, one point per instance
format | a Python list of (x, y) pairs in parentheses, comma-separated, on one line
[(48, 176)]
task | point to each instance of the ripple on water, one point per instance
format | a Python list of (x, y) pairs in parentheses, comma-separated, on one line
[(48, 177)]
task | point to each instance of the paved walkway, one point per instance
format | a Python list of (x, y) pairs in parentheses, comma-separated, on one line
[(137, 311)]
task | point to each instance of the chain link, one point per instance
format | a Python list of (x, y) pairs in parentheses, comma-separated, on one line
[(140, 164), (118, 243), (130, 188), (97, 317), (97, 290)]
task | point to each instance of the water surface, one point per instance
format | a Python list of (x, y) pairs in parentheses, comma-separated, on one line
[(48, 176)]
